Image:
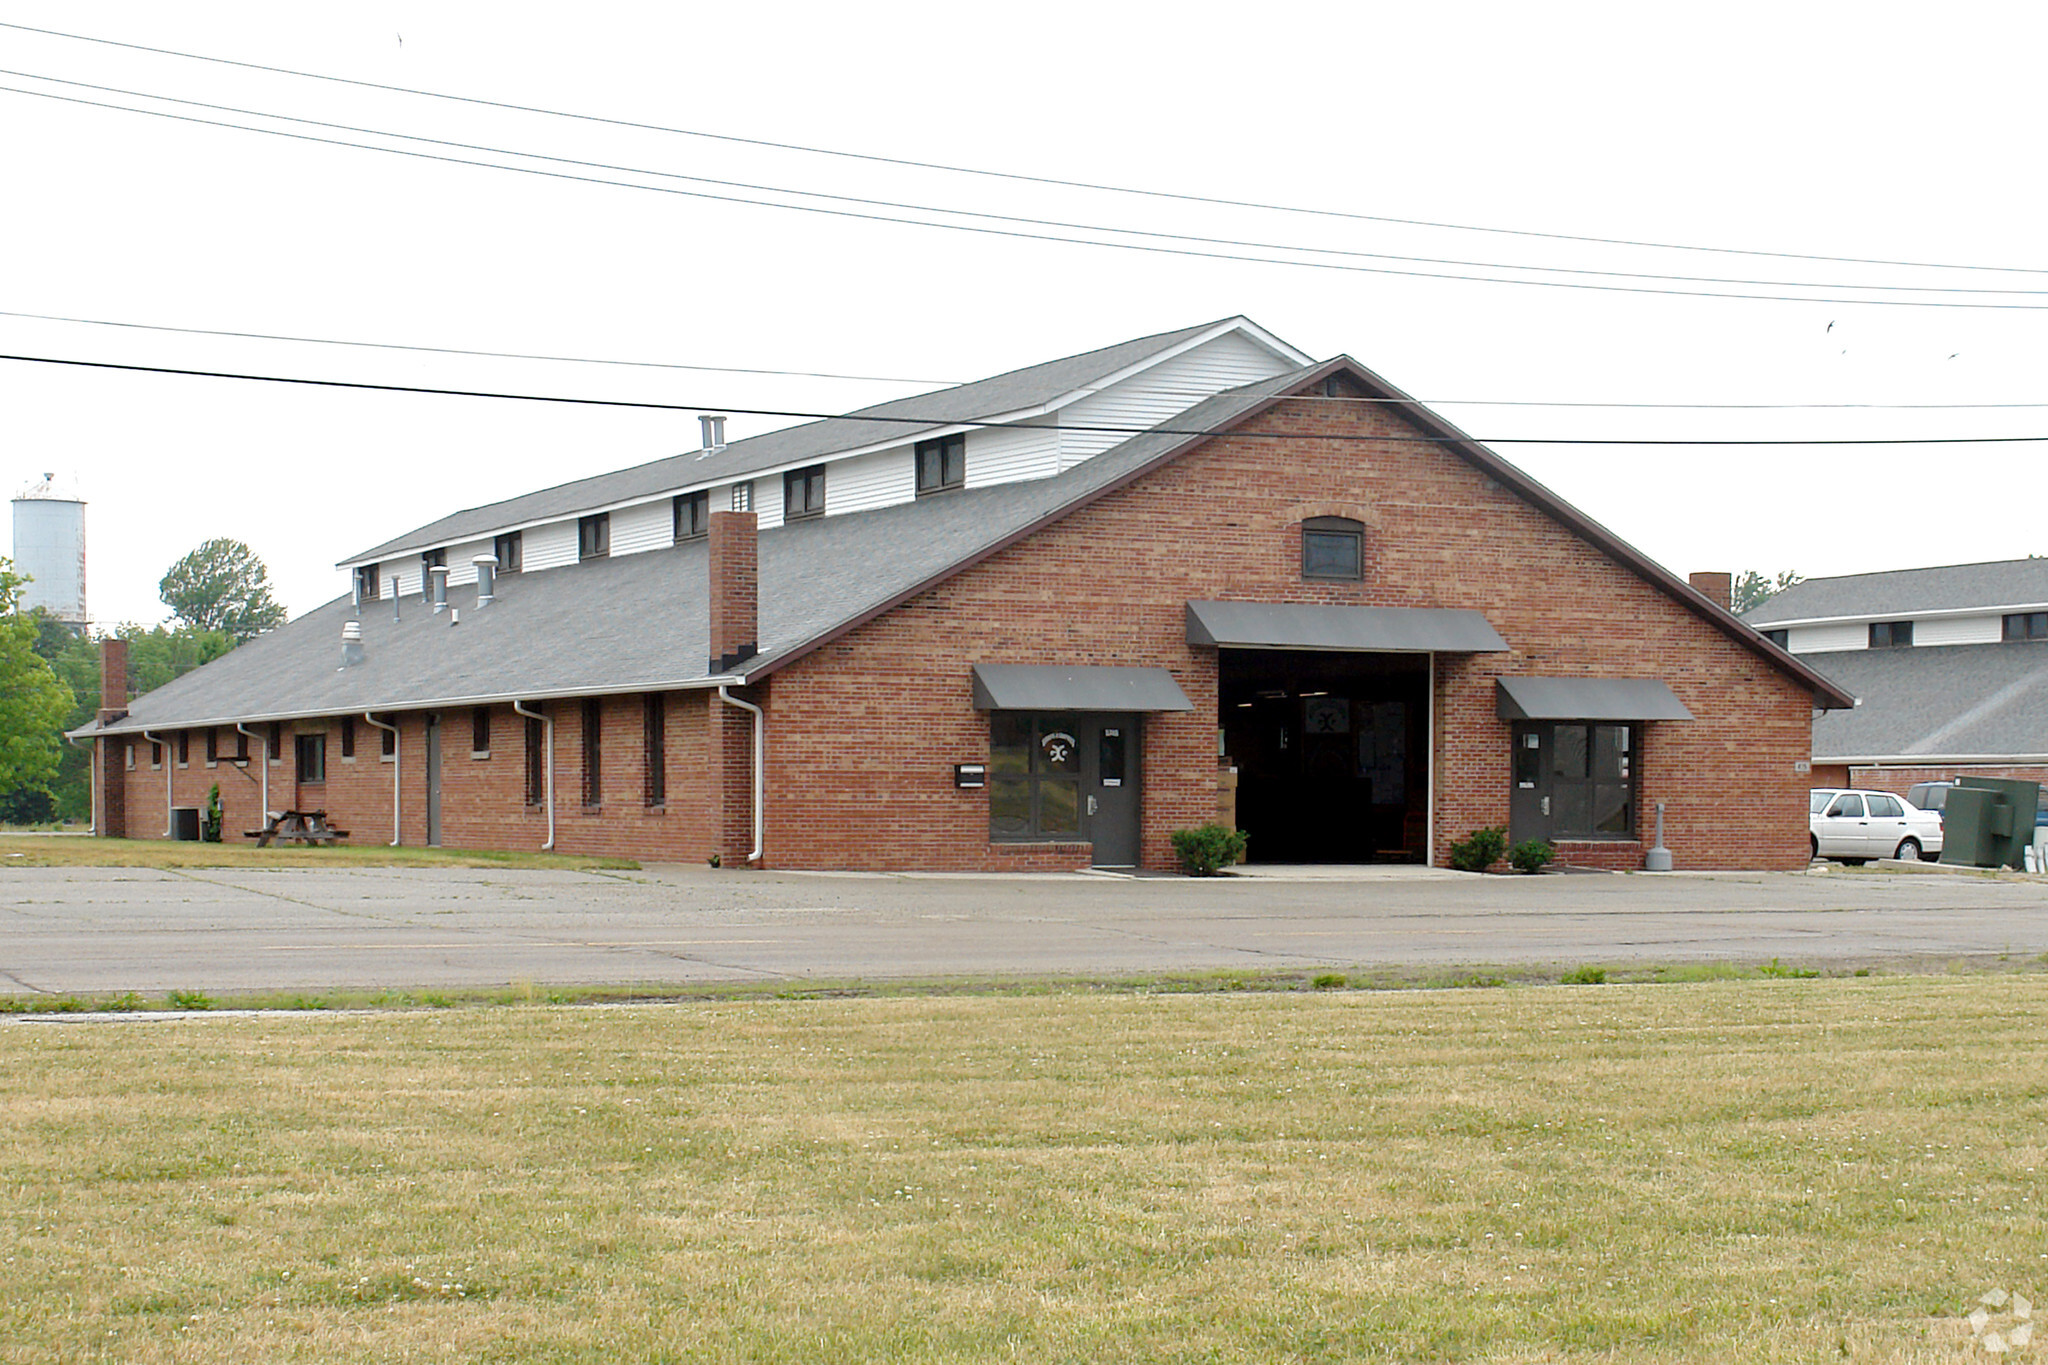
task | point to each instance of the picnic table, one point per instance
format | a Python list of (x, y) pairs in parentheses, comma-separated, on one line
[(304, 826)]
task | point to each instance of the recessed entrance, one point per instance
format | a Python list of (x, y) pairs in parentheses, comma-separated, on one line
[(1332, 753)]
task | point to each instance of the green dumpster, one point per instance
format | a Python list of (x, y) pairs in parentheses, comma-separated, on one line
[(1988, 822)]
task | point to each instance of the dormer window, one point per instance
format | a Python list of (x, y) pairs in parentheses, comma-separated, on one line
[(1332, 547), (1891, 634), (366, 582), (2026, 625), (692, 515), (508, 549), (594, 536), (803, 493), (430, 559), (743, 496), (942, 464)]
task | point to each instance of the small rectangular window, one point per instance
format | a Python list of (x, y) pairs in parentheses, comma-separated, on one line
[(366, 581), (274, 749), (430, 559), (693, 515), (348, 738), (480, 732), (156, 754), (654, 743), (128, 754), (803, 493), (594, 536), (184, 748), (536, 761), (212, 746), (241, 746), (389, 749), (941, 464), (1332, 547), (1891, 634), (743, 496), (312, 751), (508, 548), (593, 752), (2026, 625)]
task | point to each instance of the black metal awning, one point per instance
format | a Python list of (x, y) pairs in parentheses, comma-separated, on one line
[(1056, 687), (1393, 630), (1586, 699)]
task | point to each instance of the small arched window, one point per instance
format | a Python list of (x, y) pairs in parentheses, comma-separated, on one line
[(1332, 547)]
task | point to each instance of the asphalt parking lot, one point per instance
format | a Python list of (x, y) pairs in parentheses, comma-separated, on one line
[(94, 930)]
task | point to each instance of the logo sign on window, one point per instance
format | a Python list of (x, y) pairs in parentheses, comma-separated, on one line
[(1058, 748)]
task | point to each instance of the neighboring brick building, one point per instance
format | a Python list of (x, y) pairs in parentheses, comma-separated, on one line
[(1028, 623)]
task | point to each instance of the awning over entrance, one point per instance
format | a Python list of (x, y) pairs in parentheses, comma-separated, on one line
[(1586, 699), (1054, 687), (1392, 630)]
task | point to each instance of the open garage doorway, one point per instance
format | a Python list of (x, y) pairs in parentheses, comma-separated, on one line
[(1331, 751)]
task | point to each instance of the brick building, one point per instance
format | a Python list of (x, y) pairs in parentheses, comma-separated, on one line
[(1039, 621)]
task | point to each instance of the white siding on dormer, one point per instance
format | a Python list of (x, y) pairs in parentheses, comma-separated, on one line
[(650, 526), (1959, 630), (1172, 386), (548, 547), (1822, 639), (1007, 454), (768, 499), (462, 560), (866, 481), (399, 576)]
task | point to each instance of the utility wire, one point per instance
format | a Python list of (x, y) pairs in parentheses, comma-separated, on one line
[(954, 383), (1058, 224), (934, 422), (1013, 175), (1147, 248)]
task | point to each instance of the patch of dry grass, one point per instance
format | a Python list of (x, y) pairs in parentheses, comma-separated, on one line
[(1758, 1170), (62, 850)]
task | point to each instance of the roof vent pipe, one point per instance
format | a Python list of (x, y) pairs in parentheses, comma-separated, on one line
[(486, 579), (351, 643), (437, 587), (714, 432), (396, 595)]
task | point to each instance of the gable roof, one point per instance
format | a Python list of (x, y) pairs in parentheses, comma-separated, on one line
[(1007, 395), (818, 580), (1951, 703), (2005, 584)]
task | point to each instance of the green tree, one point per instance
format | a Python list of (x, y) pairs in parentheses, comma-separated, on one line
[(33, 700), (1752, 589), (222, 586)]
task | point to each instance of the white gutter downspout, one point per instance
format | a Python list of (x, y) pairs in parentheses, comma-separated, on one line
[(163, 746), (760, 772), (397, 763), (548, 772), (265, 737)]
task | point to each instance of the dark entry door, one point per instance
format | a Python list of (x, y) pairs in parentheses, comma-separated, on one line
[(1573, 780), (433, 781), (1109, 779)]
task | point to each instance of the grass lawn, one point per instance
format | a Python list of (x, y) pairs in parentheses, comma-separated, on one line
[(1732, 1171), (67, 850)]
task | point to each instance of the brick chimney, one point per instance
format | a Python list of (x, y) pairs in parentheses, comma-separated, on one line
[(735, 589), (113, 679), (1718, 588)]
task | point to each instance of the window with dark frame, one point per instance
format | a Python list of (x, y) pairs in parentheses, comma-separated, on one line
[(184, 748), (480, 732), (536, 761), (942, 464), (594, 536), (431, 559), (1591, 782), (212, 746), (128, 754), (241, 747), (508, 549), (1332, 547), (803, 493), (654, 749), (693, 515), (593, 752), (1891, 634), (389, 748), (743, 496), (2026, 625), (156, 754), (312, 755), (1781, 638), (274, 749), (1034, 776), (348, 737), (366, 581)]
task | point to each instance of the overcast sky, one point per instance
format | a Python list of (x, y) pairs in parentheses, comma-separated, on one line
[(1834, 131)]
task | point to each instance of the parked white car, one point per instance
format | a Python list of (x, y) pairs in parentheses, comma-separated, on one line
[(1856, 826)]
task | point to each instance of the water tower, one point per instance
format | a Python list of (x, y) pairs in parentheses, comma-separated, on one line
[(49, 546)]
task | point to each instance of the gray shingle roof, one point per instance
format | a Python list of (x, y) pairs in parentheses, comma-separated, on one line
[(1014, 391), (639, 622), (1940, 701), (1953, 587)]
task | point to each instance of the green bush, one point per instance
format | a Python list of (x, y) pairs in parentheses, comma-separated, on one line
[(1208, 849), (1584, 976), (209, 822), (1478, 850), (1531, 855)]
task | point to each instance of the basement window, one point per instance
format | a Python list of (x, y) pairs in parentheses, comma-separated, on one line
[(2026, 625), (803, 493), (1891, 634), (594, 536), (312, 755), (693, 515), (507, 548), (942, 464), (1332, 547)]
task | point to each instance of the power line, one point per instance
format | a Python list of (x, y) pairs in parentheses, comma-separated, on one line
[(1147, 248), (1014, 175), (933, 422), (1061, 225), (903, 379)]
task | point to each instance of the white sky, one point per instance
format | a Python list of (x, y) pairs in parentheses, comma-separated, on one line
[(1842, 130)]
